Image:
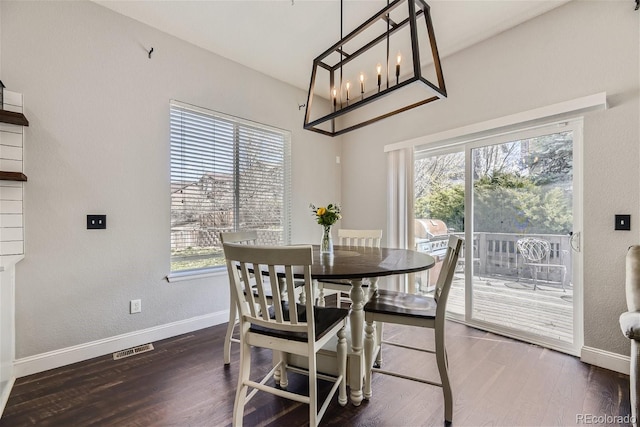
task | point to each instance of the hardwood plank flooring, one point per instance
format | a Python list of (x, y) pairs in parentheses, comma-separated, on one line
[(496, 381)]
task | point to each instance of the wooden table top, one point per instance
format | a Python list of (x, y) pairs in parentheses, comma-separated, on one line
[(350, 262)]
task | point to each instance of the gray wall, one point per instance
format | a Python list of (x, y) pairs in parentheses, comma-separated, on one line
[(98, 143), (579, 49)]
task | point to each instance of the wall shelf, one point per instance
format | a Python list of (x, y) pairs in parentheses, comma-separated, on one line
[(19, 119), (13, 118), (12, 176)]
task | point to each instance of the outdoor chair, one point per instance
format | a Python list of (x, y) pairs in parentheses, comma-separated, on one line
[(354, 238), (536, 253), (284, 327), (414, 310)]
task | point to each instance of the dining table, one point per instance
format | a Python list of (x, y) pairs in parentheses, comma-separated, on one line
[(357, 264)]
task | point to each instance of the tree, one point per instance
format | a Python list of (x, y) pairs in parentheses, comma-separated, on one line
[(503, 203), (447, 204), (521, 186), (435, 172)]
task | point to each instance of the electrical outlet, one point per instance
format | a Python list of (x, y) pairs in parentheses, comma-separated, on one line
[(135, 306)]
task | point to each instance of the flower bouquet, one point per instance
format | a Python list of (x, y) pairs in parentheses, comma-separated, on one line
[(326, 217)]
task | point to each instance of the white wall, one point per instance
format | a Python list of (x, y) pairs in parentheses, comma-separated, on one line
[(98, 142), (579, 49)]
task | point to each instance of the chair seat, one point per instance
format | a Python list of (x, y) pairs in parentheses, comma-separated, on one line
[(401, 304), (325, 319)]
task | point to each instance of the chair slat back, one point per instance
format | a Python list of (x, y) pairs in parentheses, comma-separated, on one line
[(271, 267), (447, 271), (248, 237), (360, 238)]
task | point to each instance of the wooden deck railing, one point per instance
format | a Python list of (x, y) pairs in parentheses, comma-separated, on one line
[(497, 254)]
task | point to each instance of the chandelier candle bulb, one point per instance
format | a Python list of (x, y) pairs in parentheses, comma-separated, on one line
[(361, 82), (335, 93), (379, 69), (398, 67), (348, 86)]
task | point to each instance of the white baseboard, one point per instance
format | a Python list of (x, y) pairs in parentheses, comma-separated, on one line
[(66, 356), (605, 359)]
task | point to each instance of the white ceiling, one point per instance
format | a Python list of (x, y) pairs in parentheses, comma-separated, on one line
[(281, 39)]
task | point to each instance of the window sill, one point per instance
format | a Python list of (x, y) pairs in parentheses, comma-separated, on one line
[(196, 274)]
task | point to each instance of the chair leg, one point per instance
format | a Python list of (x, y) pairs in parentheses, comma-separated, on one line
[(243, 377), (379, 326), (373, 289), (232, 323), (313, 391), (634, 384), (369, 348), (342, 365), (283, 379), (441, 359)]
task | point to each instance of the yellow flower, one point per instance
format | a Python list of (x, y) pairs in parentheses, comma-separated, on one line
[(321, 211)]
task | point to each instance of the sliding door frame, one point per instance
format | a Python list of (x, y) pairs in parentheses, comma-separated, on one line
[(575, 126)]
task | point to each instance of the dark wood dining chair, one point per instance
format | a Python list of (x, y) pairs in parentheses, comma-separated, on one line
[(414, 310), (284, 327)]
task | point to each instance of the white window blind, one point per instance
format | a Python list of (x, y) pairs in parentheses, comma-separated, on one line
[(227, 174)]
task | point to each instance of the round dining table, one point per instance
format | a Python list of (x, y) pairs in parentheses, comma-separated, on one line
[(356, 264)]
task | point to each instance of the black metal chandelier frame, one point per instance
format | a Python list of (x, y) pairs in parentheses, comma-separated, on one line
[(439, 90)]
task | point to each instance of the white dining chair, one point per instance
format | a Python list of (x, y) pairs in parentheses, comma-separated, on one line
[(354, 238), (414, 310), (284, 327), (249, 237)]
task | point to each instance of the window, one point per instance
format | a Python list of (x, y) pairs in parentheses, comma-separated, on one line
[(227, 174)]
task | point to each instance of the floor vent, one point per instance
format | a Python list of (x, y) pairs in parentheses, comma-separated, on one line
[(132, 351)]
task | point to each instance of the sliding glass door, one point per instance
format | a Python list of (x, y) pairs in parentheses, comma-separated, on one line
[(515, 198), (439, 211)]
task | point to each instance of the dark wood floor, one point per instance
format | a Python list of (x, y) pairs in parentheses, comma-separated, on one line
[(183, 382)]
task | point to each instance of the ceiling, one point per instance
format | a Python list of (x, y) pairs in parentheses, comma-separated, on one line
[(281, 38)]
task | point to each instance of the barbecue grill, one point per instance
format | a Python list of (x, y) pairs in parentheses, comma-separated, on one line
[(431, 237)]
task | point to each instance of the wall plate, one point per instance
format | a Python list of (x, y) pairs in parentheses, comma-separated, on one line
[(96, 222), (623, 222)]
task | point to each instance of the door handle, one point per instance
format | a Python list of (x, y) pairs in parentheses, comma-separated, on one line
[(574, 241)]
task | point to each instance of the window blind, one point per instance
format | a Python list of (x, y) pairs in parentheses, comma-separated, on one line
[(227, 174)]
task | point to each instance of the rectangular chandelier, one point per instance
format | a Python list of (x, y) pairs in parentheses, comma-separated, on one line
[(381, 59)]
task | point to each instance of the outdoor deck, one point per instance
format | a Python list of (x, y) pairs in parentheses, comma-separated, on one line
[(547, 311)]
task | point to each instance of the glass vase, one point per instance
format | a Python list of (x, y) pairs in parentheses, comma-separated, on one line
[(326, 244)]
